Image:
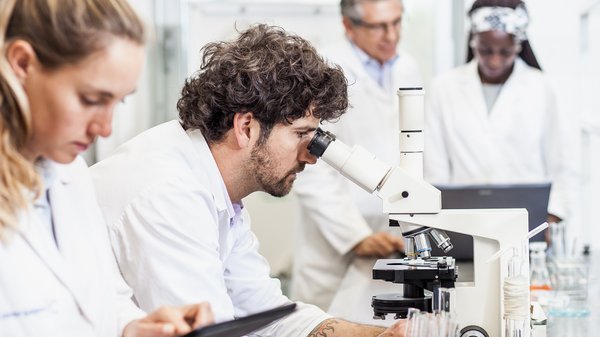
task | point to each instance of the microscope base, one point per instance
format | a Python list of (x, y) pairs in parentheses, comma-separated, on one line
[(397, 304)]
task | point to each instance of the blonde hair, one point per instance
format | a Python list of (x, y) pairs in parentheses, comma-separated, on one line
[(61, 32)]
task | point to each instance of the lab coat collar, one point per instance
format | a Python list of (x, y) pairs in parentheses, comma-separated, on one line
[(510, 89), (64, 217), (473, 72), (48, 170), (51, 173), (203, 166), (355, 71), (367, 60), (473, 81), (237, 213), (55, 172)]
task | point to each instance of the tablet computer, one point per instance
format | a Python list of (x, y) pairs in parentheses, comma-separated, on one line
[(244, 325)]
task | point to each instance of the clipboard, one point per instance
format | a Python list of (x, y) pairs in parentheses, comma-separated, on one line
[(244, 325)]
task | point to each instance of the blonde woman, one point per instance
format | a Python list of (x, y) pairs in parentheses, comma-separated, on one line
[(64, 65)]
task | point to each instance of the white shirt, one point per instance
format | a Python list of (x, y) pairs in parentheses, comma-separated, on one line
[(177, 236), (69, 287), (381, 73), (490, 94), (335, 214), (523, 139), (42, 204)]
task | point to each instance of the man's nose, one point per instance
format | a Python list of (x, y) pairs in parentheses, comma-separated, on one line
[(305, 156), (392, 32)]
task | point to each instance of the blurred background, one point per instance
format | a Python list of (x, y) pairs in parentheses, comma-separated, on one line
[(564, 35)]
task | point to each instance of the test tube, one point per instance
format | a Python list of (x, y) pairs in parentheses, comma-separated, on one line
[(516, 301)]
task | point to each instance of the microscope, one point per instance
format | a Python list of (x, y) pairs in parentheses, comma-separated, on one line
[(415, 207)]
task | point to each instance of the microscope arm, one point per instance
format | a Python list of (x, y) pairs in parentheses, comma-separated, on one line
[(400, 191)]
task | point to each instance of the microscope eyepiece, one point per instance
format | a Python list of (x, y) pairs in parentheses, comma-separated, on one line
[(320, 142)]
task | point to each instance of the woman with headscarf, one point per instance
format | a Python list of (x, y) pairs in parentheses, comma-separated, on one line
[(495, 119)]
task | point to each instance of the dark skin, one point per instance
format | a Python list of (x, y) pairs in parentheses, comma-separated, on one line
[(496, 53), (551, 219)]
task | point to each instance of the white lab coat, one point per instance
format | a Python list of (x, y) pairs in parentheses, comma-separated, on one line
[(177, 236), (523, 139), (335, 214), (72, 290)]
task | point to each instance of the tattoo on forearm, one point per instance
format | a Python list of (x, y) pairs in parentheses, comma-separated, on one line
[(325, 329)]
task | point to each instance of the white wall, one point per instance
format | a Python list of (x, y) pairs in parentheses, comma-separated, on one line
[(558, 37), (320, 23), (589, 89)]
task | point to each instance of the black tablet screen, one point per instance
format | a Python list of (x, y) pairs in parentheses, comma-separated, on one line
[(244, 325)]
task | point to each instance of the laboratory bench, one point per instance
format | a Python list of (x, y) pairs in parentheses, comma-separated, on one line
[(353, 299)]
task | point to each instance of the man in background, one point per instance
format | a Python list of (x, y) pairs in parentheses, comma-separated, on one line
[(339, 222)]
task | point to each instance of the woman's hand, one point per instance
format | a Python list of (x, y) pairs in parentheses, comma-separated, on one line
[(171, 321)]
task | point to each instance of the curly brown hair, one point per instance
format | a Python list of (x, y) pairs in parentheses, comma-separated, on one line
[(277, 76)]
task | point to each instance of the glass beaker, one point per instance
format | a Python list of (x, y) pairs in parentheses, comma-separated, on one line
[(570, 280), (557, 239)]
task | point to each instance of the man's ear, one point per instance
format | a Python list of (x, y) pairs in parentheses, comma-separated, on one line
[(349, 28), (244, 128), (21, 58)]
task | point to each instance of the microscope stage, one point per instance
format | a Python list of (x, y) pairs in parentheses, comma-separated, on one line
[(419, 279), (407, 270)]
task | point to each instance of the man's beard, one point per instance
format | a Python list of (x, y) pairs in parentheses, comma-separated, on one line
[(265, 173)]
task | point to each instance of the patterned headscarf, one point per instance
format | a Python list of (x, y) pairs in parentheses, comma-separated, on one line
[(505, 19)]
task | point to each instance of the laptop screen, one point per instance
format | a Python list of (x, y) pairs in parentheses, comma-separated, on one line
[(533, 197)]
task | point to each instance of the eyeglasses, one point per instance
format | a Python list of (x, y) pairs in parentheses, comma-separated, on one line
[(378, 27)]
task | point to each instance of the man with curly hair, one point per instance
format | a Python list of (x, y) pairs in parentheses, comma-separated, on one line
[(172, 196)]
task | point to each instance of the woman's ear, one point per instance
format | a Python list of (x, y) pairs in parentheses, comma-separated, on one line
[(519, 48), (21, 57), (244, 128)]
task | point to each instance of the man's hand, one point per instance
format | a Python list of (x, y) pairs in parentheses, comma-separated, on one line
[(380, 244), (552, 220), (396, 330), (335, 327), (171, 321)]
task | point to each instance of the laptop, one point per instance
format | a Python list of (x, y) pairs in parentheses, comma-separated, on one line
[(533, 197)]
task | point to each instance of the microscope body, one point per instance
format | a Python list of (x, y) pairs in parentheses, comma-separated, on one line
[(478, 302), (415, 205)]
